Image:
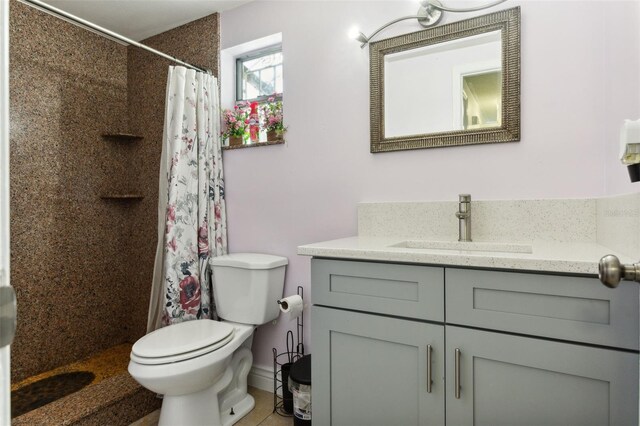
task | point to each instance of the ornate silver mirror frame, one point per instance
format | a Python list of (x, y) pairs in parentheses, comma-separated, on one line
[(508, 23)]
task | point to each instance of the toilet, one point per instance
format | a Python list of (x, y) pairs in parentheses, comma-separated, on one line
[(201, 367)]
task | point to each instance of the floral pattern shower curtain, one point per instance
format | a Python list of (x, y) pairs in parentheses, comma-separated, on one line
[(191, 208)]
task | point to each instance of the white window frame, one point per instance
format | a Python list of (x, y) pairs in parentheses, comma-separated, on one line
[(238, 73)]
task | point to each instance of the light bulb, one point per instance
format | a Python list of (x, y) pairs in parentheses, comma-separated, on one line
[(356, 34), (353, 33)]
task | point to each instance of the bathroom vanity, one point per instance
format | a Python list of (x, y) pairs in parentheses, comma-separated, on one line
[(415, 336), (511, 348)]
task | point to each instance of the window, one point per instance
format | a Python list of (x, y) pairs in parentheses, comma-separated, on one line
[(259, 75), (252, 72)]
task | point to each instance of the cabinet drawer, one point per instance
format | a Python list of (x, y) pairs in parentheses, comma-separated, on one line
[(568, 308), (404, 290)]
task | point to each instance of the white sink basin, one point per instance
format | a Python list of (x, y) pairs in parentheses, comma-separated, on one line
[(465, 246)]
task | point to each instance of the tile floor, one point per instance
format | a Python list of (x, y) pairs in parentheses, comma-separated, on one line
[(262, 414)]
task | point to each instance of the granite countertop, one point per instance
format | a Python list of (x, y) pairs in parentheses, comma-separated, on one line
[(574, 257)]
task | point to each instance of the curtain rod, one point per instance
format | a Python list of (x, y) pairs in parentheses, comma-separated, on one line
[(59, 13)]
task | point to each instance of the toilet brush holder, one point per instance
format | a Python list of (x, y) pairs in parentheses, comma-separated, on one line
[(282, 396), (282, 362)]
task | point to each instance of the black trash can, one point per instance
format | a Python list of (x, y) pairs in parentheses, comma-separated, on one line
[(300, 387)]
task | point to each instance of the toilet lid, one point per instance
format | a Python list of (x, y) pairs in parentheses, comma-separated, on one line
[(181, 357), (249, 261), (182, 338)]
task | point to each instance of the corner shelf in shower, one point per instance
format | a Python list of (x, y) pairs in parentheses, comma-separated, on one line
[(126, 137), (132, 197), (122, 196)]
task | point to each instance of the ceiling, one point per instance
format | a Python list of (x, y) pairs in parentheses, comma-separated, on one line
[(139, 19)]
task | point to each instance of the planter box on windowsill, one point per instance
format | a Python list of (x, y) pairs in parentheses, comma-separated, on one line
[(254, 145)]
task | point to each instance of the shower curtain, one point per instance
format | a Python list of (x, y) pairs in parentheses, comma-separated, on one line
[(192, 224)]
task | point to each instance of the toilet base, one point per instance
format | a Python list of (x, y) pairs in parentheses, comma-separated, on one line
[(212, 406), (202, 408), (240, 409), (198, 408)]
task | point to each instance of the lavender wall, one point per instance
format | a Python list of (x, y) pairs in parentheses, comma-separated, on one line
[(575, 70)]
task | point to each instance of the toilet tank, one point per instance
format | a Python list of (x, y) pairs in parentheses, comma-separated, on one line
[(247, 286)]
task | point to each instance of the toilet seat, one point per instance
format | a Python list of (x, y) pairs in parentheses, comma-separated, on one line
[(180, 342)]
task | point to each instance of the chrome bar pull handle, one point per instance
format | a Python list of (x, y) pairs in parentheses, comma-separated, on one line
[(429, 382), (611, 271), (457, 374)]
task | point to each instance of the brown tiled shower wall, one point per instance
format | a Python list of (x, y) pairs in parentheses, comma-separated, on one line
[(81, 265)]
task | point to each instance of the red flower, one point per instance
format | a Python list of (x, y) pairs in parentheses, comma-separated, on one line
[(190, 294)]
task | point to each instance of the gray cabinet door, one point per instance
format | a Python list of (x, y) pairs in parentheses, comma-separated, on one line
[(372, 370), (512, 380)]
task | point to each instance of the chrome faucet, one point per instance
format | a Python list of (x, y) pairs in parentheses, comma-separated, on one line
[(464, 217)]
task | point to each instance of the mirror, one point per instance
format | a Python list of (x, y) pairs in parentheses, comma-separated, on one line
[(457, 84)]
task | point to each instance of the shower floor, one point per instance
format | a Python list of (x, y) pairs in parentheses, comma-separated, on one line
[(44, 388)]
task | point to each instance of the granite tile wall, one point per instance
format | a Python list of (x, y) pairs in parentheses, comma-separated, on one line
[(67, 87), (196, 43), (82, 265)]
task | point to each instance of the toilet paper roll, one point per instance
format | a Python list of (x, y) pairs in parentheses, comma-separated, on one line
[(291, 305)]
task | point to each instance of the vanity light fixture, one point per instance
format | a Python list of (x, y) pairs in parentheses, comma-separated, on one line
[(429, 14)]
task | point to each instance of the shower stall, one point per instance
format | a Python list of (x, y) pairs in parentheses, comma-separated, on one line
[(86, 119)]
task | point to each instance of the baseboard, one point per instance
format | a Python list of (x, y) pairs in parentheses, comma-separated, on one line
[(261, 377)]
